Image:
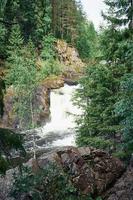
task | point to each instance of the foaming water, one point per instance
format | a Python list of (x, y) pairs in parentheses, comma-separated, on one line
[(63, 114)]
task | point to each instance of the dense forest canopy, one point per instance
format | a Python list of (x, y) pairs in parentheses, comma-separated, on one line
[(36, 19)]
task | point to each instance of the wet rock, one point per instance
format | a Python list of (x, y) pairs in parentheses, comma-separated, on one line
[(106, 168), (81, 175), (53, 82), (6, 184), (70, 82), (41, 104)]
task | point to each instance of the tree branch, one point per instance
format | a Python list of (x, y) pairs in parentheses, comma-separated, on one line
[(7, 23)]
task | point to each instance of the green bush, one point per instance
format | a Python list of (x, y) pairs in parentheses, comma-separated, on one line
[(50, 67)]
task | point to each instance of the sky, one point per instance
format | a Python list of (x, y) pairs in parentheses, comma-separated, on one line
[(93, 10)]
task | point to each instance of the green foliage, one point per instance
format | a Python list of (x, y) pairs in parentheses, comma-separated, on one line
[(120, 13), (50, 183), (97, 142), (9, 142), (105, 100), (86, 40), (124, 109), (2, 40), (15, 41), (23, 76), (43, 20), (48, 51), (39, 18), (98, 123), (50, 67), (50, 64), (118, 43)]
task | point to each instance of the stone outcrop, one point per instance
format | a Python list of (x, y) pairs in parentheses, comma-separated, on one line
[(8, 117), (53, 82), (123, 189), (73, 67), (41, 102), (90, 170)]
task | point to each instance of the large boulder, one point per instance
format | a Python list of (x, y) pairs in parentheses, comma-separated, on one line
[(91, 171), (53, 82), (106, 168)]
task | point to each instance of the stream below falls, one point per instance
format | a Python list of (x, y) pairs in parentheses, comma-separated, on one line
[(60, 131)]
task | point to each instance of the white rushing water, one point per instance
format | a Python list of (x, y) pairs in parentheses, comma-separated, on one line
[(63, 114)]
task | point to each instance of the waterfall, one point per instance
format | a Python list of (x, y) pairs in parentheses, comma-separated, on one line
[(63, 114), (60, 131)]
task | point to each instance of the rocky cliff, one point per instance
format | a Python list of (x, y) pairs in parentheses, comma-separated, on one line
[(73, 67)]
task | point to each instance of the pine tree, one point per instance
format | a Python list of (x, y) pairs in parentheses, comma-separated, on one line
[(120, 12)]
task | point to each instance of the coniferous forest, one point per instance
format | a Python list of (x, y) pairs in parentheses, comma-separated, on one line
[(33, 36)]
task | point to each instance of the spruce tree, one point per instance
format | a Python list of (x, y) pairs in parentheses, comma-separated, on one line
[(86, 40), (15, 42), (100, 123), (23, 76)]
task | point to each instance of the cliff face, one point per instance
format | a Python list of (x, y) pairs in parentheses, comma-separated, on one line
[(41, 102), (73, 67)]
